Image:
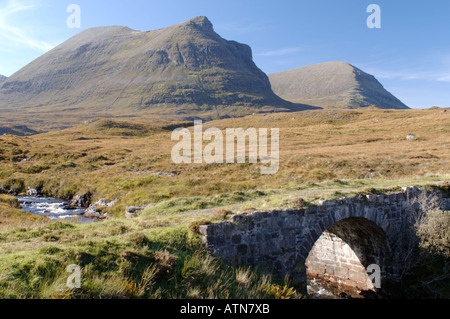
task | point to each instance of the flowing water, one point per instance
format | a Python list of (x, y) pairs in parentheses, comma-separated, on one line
[(53, 208), (318, 289)]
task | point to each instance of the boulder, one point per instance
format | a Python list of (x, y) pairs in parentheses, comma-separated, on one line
[(83, 200), (91, 213), (133, 211), (32, 192), (93, 210)]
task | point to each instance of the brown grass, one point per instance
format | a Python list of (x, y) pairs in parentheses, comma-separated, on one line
[(121, 159)]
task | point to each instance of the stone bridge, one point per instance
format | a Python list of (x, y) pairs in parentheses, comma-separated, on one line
[(336, 240)]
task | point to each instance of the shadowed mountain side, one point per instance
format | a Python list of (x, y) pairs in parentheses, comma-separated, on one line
[(19, 130), (333, 84), (183, 70), (2, 78)]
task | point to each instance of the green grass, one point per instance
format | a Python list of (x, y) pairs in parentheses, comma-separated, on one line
[(120, 159), (156, 255), (121, 259), (12, 218)]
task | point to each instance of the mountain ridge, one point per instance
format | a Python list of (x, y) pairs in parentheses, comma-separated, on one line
[(333, 84), (183, 69)]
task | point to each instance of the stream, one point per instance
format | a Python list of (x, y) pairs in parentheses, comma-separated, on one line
[(52, 208), (319, 290)]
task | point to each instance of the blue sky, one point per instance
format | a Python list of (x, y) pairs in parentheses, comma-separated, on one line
[(409, 54)]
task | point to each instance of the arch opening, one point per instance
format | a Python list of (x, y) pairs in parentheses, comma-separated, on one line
[(339, 260)]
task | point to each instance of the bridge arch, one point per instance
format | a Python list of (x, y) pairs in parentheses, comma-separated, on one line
[(374, 227), (343, 253)]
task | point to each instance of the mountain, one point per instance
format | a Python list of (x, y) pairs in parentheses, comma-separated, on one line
[(2, 78), (333, 84), (19, 130), (185, 70)]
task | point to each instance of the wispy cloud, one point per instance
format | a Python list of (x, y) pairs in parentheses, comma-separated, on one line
[(432, 67), (280, 52), (445, 78), (16, 35), (441, 75)]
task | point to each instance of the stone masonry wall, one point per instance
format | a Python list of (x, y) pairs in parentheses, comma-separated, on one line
[(343, 253), (280, 241)]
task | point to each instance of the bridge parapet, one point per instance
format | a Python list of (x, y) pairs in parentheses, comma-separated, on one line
[(281, 240)]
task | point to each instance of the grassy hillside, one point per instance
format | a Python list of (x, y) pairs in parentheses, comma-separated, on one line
[(12, 217), (323, 154), (120, 159), (19, 130)]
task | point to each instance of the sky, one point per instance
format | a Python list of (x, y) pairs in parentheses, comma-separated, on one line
[(409, 54)]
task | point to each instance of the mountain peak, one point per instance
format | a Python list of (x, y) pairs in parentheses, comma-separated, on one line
[(182, 70), (106, 30), (2, 78), (326, 67), (333, 84), (200, 22)]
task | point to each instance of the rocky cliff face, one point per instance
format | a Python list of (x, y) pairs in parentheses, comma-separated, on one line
[(187, 68), (333, 84), (2, 78)]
